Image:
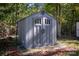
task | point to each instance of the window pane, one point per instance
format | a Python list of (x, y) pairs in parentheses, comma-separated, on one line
[(38, 21), (47, 21)]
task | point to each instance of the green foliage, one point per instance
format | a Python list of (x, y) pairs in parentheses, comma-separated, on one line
[(10, 13), (66, 14)]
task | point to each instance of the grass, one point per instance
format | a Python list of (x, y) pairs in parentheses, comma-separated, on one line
[(74, 43), (69, 42)]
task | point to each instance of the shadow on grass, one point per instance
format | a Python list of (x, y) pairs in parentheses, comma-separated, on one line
[(73, 43), (69, 40), (76, 53), (7, 44)]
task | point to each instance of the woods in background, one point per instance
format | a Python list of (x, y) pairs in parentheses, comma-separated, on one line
[(66, 14)]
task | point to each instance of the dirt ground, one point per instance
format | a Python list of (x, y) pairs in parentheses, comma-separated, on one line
[(64, 47)]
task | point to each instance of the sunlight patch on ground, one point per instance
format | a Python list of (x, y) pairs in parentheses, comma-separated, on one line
[(69, 43)]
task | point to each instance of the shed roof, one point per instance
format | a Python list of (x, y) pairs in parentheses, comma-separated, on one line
[(35, 14)]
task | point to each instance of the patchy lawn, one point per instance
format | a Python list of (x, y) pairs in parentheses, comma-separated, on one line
[(73, 43), (69, 42), (64, 47)]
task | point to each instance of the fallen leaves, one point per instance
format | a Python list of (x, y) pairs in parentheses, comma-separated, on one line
[(58, 52)]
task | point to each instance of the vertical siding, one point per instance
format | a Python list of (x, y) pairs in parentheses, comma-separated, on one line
[(20, 33), (54, 36), (55, 32), (77, 29), (28, 33), (26, 36)]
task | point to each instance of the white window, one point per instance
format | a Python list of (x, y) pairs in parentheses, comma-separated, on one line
[(46, 20), (37, 21)]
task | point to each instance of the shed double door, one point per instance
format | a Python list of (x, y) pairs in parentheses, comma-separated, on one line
[(41, 34)]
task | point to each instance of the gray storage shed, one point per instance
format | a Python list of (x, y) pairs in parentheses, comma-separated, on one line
[(37, 30)]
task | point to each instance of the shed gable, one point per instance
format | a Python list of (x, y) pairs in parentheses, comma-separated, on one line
[(37, 15)]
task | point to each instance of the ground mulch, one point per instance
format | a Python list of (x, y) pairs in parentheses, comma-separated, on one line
[(41, 52), (52, 52)]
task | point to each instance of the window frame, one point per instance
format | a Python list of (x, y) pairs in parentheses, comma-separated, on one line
[(47, 21), (37, 21)]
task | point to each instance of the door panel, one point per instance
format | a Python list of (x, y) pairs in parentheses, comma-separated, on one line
[(41, 34)]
